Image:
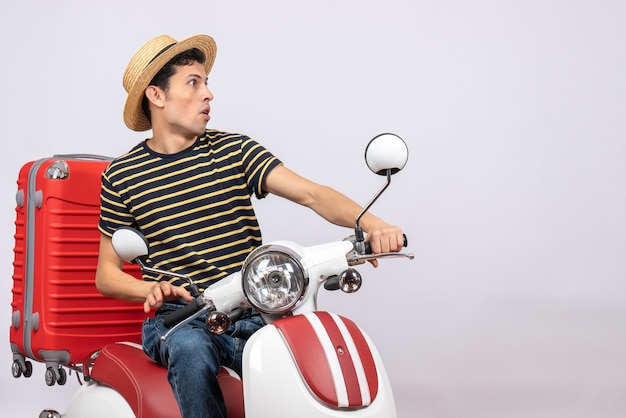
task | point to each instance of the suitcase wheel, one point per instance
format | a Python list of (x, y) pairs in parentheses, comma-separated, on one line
[(17, 369), (56, 376)]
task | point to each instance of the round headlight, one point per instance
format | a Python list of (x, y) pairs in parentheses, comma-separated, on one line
[(274, 279)]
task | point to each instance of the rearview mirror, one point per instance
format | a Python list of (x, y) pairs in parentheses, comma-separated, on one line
[(129, 244), (386, 152)]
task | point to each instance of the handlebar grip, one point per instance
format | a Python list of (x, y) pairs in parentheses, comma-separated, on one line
[(175, 317), (368, 247)]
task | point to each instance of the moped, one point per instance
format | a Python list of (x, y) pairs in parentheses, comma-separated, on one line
[(304, 362)]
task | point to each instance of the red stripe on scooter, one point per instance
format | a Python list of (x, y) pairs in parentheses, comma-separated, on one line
[(309, 356), (344, 357), (365, 353)]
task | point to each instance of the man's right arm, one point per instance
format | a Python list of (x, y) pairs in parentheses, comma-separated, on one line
[(112, 281)]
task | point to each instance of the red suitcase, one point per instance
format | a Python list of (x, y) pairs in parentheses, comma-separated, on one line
[(58, 315)]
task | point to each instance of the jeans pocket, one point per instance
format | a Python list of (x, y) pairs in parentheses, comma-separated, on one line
[(150, 337)]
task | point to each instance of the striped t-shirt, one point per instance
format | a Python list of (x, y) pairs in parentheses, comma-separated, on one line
[(193, 207)]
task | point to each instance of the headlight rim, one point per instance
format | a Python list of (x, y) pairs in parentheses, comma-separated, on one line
[(263, 250)]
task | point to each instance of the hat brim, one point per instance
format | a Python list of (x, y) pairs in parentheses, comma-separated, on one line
[(134, 116)]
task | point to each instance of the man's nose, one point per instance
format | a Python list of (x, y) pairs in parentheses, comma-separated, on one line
[(208, 95)]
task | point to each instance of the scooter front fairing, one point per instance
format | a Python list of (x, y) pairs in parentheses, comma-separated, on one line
[(317, 365)]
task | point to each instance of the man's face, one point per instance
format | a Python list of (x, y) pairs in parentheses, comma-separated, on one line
[(187, 100)]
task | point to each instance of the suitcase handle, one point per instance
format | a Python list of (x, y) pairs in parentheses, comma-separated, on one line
[(83, 157)]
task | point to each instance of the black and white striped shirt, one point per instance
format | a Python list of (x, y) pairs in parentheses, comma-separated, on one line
[(193, 207)]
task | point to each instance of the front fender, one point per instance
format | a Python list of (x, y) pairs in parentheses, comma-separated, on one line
[(319, 364)]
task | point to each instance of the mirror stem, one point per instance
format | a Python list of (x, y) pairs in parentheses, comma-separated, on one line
[(193, 289), (358, 231)]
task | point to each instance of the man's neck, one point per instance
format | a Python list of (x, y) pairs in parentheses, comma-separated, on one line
[(169, 144)]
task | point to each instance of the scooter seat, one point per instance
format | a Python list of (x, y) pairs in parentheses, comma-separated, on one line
[(143, 383)]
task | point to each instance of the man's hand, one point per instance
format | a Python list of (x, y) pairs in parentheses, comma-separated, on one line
[(163, 291), (384, 238)]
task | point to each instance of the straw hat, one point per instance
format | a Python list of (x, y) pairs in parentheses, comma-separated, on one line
[(147, 62)]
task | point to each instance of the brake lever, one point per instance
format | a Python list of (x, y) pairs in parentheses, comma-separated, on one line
[(208, 307), (355, 259)]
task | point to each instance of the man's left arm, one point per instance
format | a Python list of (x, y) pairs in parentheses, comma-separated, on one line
[(334, 207)]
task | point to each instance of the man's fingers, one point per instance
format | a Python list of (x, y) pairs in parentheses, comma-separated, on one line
[(386, 240), (182, 293), (163, 291)]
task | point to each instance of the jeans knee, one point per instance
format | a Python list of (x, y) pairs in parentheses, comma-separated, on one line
[(194, 353)]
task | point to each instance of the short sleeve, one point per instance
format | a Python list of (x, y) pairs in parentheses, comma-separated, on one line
[(258, 162)]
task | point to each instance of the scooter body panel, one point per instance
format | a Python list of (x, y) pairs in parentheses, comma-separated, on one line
[(96, 400), (274, 384)]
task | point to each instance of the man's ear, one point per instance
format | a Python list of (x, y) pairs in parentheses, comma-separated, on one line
[(155, 95)]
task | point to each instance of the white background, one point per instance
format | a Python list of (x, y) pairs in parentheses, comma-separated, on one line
[(514, 197)]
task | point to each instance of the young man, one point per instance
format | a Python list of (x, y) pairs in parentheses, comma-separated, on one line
[(188, 190)]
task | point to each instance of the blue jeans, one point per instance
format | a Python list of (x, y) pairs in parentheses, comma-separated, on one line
[(193, 357)]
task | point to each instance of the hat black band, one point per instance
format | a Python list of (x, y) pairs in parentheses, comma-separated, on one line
[(161, 52)]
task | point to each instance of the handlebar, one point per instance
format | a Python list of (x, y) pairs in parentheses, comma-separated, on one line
[(368, 246), (179, 315), (363, 252)]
